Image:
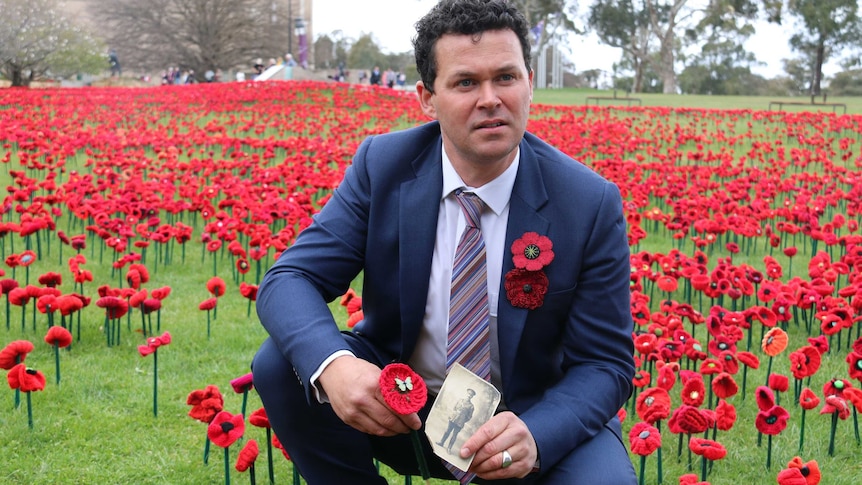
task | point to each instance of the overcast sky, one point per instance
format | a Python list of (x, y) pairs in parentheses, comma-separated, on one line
[(390, 22)]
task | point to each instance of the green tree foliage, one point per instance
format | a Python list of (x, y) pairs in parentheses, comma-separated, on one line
[(828, 26), (36, 40), (625, 25)]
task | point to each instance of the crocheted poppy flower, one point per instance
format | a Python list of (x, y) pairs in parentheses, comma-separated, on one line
[(666, 377), (216, 286), (14, 353), (26, 258), (646, 343), (709, 449), (710, 366), (226, 428), (820, 342), (749, 359), (804, 362), (693, 392), (778, 382), (242, 266), (248, 290), (808, 400), (58, 336), (774, 342), (724, 386), (772, 421), (644, 439), (259, 418), (725, 415), (532, 252), (242, 383), (205, 403), (835, 387), (836, 404), (641, 379), (25, 379), (689, 419), (51, 279), (403, 390), (653, 404), (854, 362), (153, 343), (208, 304), (765, 398), (247, 456), (526, 289), (799, 473)]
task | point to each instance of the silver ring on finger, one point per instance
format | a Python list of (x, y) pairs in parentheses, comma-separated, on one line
[(507, 459)]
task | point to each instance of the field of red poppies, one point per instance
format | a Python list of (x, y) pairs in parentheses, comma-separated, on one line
[(136, 224)]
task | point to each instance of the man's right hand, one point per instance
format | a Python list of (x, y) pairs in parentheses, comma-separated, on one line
[(352, 386)]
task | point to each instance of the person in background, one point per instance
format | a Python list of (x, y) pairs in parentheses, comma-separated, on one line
[(552, 306)]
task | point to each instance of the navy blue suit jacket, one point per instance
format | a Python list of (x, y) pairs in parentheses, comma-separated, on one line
[(566, 367)]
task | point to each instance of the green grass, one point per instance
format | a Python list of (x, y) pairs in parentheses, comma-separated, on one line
[(97, 425)]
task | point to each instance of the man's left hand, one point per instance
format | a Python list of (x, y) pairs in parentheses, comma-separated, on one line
[(504, 431)]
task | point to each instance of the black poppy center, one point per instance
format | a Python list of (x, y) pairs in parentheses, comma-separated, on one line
[(227, 427), (532, 251), (528, 288)]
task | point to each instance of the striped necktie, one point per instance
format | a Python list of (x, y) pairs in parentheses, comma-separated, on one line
[(469, 342)]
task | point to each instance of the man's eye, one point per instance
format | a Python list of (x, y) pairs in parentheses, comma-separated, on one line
[(465, 83)]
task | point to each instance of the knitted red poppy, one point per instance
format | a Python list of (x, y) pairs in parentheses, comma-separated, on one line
[(259, 418), (709, 449), (748, 359), (216, 286), (242, 383), (226, 428), (205, 403), (690, 419), (804, 362), (532, 252), (799, 473), (208, 304), (653, 405), (772, 421), (58, 336), (725, 415), (403, 390), (778, 382), (644, 439), (808, 400), (765, 398), (854, 362), (25, 379), (247, 456), (836, 404), (248, 290), (526, 289), (693, 392), (14, 353), (724, 386)]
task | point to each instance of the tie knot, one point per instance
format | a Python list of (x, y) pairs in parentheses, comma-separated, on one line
[(471, 205)]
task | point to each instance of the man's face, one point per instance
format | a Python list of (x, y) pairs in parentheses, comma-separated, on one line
[(481, 98)]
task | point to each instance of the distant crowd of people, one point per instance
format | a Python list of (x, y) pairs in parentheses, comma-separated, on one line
[(389, 78)]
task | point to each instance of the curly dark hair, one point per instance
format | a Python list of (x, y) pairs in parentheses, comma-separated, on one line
[(468, 17)]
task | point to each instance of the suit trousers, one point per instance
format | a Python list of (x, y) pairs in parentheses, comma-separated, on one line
[(327, 451)]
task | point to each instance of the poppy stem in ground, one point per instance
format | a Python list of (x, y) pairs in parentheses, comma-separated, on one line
[(802, 431), (227, 465), (658, 455), (642, 470), (832, 433), (57, 362), (251, 475), (856, 425), (29, 411), (703, 468), (156, 382), (269, 455), (207, 450), (768, 452)]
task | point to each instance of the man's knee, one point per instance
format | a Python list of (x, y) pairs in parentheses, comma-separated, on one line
[(270, 370), (603, 460)]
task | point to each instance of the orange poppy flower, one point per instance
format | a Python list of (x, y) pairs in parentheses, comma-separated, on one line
[(774, 342)]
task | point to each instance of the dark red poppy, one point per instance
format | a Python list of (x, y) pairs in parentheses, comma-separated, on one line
[(242, 266), (226, 428), (150, 305), (771, 421), (25, 379), (14, 353), (820, 342), (532, 252), (205, 403), (403, 390), (854, 362), (247, 456), (644, 439), (526, 289), (58, 336), (115, 307), (689, 419), (242, 383), (7, 285), (709, 449), (51, 279), (216, 286)]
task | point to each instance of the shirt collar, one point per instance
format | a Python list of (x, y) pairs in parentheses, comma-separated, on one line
[(495, 194)]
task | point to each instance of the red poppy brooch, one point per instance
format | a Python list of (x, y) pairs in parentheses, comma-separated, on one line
[(527, 284)]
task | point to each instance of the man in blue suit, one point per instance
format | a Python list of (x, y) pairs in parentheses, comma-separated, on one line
[(561, 347)]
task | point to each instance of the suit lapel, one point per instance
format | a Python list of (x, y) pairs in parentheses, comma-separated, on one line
[(528, 197), (417, 223)]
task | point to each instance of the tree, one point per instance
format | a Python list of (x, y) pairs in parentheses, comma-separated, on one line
[(622, 24), (196, 34), (829, 25), (35, 39)]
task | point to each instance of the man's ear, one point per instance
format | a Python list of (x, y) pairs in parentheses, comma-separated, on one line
[(426, 100)]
